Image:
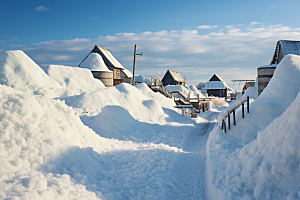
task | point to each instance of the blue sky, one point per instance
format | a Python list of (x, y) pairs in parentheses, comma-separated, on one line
[(197, 38)]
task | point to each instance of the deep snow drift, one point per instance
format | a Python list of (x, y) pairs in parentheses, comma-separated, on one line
[(18, 71), (49, 152), (75, 142), (77, 79), (259, 157)]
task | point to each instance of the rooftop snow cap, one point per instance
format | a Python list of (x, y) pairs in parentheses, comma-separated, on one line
[(94, 62)]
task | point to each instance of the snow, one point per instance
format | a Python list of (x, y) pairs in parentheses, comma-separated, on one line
[(77, 79), (19, 71), (94, 62), (185, 90), (259, 157), (61, 139)]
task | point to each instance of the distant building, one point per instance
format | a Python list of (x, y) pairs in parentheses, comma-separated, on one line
[(120, 74), (173, 78), (248, 84), (216, 86)]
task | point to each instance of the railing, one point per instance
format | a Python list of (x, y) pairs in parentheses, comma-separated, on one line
[(233, 114), (199, 103), (178, 95), (157, 85)]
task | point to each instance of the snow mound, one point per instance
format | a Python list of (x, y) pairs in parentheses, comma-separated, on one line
[(193, 88), (19, 71), (47, 153), (259, 157), (185, 91), (77, 79), (163, 101), (124, 95), (94, 62)]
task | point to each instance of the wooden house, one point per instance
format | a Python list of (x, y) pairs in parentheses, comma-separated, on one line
[(283, 48), (120, 74), (173, 78), (216, 86), (265, 72), (248, 84)]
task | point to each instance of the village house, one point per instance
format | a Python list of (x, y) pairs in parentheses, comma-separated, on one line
[(216, 86), (120, 73), (173, 78), (265, 72), (283, 48), (248, 84)]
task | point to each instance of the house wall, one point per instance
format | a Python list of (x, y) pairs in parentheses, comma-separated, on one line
[(280, 55), (117, 74), (168, 80), (217, 92), (125, 78)]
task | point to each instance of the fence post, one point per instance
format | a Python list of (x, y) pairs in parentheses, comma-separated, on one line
[(233, 113), (224, 125), (243, 110), (228, 120), (203, 109), (248, 104)]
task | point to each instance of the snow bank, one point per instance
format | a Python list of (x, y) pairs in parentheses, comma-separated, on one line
[(163, 101), (123, 95), (47, 153), (18, 71), (259, 157), (77, 79)]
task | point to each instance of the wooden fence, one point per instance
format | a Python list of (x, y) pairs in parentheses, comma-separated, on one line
[(233, 114)]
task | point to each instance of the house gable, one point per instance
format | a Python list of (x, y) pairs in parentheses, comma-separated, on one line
[(172, 78), (283, 48)]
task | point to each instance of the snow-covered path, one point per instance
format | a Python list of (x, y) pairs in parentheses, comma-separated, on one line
[(190, 166)]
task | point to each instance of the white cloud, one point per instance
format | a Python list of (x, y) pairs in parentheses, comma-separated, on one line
[(61, 57), (42, 8), (232, 52), (206, 27), (255, 23)]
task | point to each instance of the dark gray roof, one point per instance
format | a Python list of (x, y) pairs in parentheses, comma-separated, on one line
[(285, 47)]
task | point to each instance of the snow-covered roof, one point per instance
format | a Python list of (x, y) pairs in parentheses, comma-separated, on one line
[(216, 77), (272, 65), (211, 85), (107, 57), (176, 76), (127, 73), (290, 47), (111, 58), (285, 47), (94, 62)]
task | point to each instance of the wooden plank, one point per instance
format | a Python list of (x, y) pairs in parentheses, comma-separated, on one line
[(248, 104), (233, 117), (228, 120), (243, 116)]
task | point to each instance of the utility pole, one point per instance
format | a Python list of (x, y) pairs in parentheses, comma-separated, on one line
[(134, 59)]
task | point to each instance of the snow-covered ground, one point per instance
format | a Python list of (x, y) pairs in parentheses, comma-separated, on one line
[(72, 141), (63, 135), (259, 158)]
